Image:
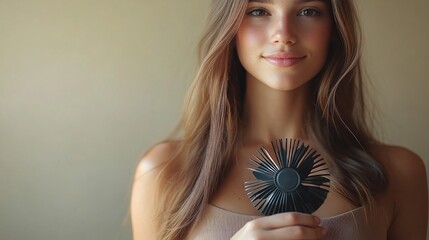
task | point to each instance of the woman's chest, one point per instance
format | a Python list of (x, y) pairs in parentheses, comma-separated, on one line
[(217, 223)]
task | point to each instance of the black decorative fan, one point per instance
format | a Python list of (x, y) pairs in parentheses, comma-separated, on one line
[(297, 180)]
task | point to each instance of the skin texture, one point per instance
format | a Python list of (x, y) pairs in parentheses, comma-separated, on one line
[(299, 30)]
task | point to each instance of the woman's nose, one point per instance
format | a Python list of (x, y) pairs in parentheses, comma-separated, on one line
[(283, 31)]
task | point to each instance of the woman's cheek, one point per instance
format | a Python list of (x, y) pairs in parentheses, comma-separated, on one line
[(251, 36)]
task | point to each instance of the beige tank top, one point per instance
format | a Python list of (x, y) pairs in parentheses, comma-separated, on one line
[(219, 224)]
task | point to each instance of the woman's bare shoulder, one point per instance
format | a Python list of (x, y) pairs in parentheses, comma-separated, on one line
[(402, 166), (399, 162), (156, 157)]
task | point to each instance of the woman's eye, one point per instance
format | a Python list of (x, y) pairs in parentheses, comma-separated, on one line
[(257, 12), (309, 13)]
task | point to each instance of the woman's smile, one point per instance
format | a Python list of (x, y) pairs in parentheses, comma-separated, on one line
[(284, 59)]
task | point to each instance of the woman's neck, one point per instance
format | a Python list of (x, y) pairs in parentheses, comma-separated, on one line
[(271, 114)]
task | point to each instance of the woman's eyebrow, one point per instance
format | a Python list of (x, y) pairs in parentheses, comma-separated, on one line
[(261, 1), (298, 1)]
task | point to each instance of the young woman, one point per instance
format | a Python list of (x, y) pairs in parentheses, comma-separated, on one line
[(274, 69)]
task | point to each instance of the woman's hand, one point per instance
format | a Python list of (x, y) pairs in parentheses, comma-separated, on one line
[(282, 226)]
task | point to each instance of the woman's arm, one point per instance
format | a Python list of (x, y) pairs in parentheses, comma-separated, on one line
[(407, 179), (145, 189)]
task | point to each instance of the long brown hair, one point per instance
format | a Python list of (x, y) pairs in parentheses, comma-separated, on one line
[(211, 117)]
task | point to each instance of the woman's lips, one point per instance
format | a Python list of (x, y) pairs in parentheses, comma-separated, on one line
[(283, 59)]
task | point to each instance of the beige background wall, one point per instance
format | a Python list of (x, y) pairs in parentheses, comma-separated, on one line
[(86, 86)]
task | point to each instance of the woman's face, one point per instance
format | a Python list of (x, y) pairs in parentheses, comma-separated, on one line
[(284, 43)]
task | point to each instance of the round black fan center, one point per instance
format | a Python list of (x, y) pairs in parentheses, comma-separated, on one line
[(287, 179)]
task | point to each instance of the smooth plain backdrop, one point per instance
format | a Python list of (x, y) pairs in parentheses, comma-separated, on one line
[(87, 86)]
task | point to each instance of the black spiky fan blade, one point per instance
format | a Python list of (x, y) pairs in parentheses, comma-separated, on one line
[(297, 179)]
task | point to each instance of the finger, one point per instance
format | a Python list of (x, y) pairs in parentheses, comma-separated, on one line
[(282, 220), (294, 232)]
